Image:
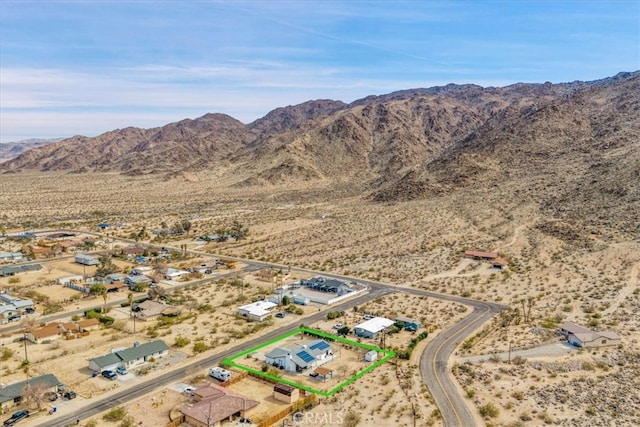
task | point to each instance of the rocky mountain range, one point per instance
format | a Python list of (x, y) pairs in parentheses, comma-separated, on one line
[(562, 144), (11, 150)]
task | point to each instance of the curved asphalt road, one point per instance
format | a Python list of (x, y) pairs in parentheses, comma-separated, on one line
[(433, 361)]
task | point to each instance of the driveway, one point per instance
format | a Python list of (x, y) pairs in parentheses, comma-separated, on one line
[(548, 350)]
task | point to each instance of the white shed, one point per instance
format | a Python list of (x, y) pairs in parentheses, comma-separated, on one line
[(371, 356)]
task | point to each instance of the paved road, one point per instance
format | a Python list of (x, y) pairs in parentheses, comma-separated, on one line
[(433, 361), (434, 366), (145, 387)]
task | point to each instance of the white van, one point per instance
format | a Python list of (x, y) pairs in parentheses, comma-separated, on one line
[(219, 374)]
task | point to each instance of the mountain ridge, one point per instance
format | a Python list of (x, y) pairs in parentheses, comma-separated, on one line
[(555, 143)]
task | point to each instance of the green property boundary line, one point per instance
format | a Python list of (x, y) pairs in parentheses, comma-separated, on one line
[(230, 361)]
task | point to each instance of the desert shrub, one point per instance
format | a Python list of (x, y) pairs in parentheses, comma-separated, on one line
[(489, 410), (334, 314), (351, 419), (181, 341), (200, 346), (519, 360), (7, 354), (127, 421), (115, 414)]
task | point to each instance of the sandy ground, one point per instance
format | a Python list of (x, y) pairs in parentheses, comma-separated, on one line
[(589, 281)]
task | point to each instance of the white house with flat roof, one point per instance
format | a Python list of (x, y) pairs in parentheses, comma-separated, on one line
[(258, 310), (372, 327)]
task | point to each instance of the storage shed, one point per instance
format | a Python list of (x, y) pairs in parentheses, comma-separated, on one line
[(285, 393), (371, 356)]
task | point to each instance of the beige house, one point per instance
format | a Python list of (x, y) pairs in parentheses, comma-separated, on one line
[(54, 330), (214, 405), (148, 310), (580, 336)]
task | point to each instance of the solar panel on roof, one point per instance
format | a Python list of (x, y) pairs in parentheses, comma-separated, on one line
[(305, 356), (320, 345)]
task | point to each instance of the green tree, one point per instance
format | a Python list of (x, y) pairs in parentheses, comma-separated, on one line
[(106, 266), (238, 231), (97, 289), (286, 300)]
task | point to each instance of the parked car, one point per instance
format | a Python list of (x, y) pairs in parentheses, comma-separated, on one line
[(368, 317), (122, 370), (189, 390), (109, 375), (51, 396), (280, 314), (17, 416), (338, 326), (30, 310), (69, 394)]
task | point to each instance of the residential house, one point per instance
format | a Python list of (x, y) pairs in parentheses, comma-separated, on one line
[(372, 327), (257, 311), (137, 280), (132, 251), (148, 310), (130, 357), (324, 284), (580, 336), (409, 324), (481, 255), (301, 357), (54, 330), (20, 304), (214, 405), (12, 270), (174, 273), (8, 312), (59, 236), (115, 277), (70, 245), (10, 256), (47, 333), (86, 259), (114, 287), (11, 395)]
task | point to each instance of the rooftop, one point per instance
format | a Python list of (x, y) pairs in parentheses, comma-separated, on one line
[(376, 324)]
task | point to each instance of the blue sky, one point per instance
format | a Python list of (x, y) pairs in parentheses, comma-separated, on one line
[(86, 67)]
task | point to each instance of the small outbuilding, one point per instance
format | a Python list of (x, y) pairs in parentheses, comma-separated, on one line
[(285, 393), (371, 356)]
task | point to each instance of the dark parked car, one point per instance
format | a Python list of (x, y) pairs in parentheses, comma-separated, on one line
[(17, 416), (69, 394), (109, 375)]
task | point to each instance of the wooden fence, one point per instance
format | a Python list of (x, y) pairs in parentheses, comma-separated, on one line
[(305, 402), (177, 422), (235, 378)]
